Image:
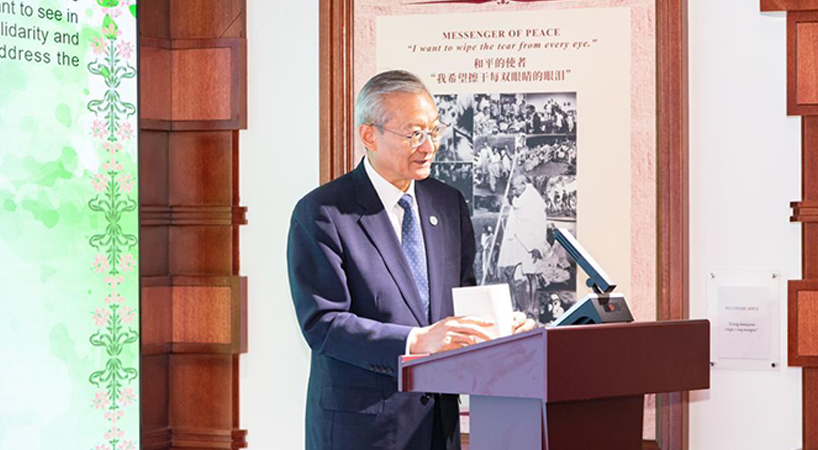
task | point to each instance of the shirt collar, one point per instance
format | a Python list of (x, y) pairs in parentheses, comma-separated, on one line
[(387, 191)]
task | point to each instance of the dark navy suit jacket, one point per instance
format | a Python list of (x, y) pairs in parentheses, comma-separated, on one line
[(356, 302)]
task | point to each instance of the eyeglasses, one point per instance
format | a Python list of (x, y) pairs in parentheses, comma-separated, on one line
[(418, 137)]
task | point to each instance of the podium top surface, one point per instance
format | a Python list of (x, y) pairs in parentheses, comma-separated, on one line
[(571, 363)]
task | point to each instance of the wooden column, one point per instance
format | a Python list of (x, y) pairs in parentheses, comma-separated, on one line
[(802, 100), (193, 104)]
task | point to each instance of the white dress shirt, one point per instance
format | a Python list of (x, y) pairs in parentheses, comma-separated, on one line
[(389, 195)]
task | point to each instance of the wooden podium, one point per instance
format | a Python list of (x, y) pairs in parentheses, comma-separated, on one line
[(566, 388)]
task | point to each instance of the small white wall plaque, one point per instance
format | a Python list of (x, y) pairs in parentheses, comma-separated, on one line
[(744, 311)]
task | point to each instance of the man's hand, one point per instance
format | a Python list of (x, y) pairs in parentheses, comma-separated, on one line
[(520, 323), (450, 333)]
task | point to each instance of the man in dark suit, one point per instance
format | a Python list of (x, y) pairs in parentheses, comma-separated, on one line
[(372, 258)]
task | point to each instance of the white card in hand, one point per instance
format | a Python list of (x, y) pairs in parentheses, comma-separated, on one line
[(487, 302)]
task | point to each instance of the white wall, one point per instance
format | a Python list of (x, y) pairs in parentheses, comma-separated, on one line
[(279, 164), (744, 171)]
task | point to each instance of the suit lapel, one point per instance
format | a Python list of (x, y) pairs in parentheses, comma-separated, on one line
[(375, 222), (431, 223)]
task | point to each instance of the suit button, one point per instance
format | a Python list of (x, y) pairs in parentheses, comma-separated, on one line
[(424, 399)]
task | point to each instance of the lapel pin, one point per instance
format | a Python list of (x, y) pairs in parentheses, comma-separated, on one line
[(433, 220)]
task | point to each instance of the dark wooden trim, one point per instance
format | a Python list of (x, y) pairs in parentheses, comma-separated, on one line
[(791, 65), (336, 158), (186, 349), (193, 215), (809, 406), (198, 280), (804, 211), (672, 199), (180, 438), (336, 125), (650, 445)]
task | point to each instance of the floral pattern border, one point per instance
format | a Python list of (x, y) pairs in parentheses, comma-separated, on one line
[(114, 200)]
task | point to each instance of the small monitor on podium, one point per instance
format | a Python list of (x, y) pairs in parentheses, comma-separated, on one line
[(603, 305)]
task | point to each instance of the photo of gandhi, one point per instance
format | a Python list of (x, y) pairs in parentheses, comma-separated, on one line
[(525, 250), (522, 155)]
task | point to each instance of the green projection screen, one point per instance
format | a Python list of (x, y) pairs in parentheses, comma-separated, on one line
[(69, 280)]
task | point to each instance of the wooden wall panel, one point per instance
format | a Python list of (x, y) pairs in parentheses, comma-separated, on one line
[(157, 311), (153, 159), (154, 395), (205, 250), (802, 302), (789, 5), (205, 19), (204, 381), (802, 323), (214, 60), (802, 63), (193, 84), (201, 81), (202, 314), (806, 86), (202, 164), (199, 314), (155, 89), (153, 249), (154, 19), (194, 303), (807, 317)]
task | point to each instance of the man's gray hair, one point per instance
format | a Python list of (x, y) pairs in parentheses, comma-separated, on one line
[(370, 106)]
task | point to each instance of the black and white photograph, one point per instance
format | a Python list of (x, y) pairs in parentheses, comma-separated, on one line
[(457, 112), (521, 184), (493, 163), (561, 197), (527, 256), (553, 307), (457, 175), (499, 114), (533, 274), (553, 113), (550, 155)]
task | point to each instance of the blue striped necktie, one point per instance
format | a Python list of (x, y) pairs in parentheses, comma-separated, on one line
[(412, 244)]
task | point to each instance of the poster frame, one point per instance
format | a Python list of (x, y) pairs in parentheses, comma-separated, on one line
[(336, 138)]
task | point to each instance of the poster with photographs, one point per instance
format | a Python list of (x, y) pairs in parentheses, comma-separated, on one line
[(514, 158)]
